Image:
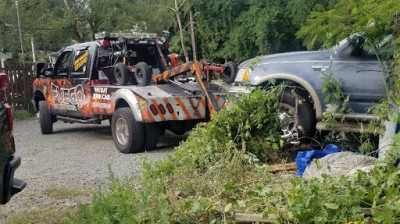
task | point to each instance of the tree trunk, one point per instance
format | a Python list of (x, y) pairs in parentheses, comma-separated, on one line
[(78, 29), (178, 17), (192, 34)]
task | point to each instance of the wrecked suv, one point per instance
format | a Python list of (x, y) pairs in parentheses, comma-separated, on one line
[(357, 69), (8, 161)]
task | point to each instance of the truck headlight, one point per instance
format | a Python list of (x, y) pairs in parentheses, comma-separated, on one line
[(242, 75)]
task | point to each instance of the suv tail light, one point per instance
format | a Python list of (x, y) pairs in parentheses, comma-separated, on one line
[(3, 82), (3, 87)]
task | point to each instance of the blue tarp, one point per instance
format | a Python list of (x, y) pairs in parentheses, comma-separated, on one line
[(305, 158)]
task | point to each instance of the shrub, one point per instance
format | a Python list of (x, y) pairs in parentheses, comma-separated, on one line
[(207, 176)]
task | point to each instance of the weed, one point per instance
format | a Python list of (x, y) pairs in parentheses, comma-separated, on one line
[(65, 193), (22, 115), (45, 215), (218, 171), (208, 176)]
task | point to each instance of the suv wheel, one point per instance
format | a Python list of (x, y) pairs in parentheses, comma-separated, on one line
[(295, 122), (45, 118), (126, 131)]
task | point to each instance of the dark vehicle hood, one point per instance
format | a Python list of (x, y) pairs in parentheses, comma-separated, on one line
[(301, 56)]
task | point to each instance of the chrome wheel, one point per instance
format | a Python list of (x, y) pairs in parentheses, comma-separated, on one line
[(121, 131), (287, 115)]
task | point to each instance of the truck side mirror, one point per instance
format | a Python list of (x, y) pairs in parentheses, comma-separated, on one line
[(40, 69), (49, 72)]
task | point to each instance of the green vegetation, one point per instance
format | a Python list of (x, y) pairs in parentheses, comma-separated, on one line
[(65, 193), (226, 29), (45, 215), (209, 183), (217, 172), (202, 182), (377, 21), (22, 115)]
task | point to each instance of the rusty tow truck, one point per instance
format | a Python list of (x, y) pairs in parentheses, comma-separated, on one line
[(132, 81)]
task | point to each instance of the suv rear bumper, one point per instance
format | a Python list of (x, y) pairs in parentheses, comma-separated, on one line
[(12, 185)]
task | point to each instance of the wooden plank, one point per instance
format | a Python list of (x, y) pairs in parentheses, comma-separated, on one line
[(282, 167), (20, 84), (24, 95), (27, 90), (253, 218), (20, 87)]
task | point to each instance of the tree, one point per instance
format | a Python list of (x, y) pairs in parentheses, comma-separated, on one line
[(239, 30), (375, 20)]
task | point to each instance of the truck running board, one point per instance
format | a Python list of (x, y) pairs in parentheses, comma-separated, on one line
[(347, 127), (82, 121)]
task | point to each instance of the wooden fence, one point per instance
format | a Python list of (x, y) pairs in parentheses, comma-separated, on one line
[(20, 81)]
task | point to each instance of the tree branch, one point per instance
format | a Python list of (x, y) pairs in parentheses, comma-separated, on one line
[(164, 6), (184, 1)]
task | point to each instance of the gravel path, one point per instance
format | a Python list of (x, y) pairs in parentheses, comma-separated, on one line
[(75, 156)]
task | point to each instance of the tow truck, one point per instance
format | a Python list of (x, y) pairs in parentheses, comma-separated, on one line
[(132, 81)]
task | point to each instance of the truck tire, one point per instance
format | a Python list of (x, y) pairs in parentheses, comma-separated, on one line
[(143, 74), (121, 74), (45, 118), (152, 135), (230, 71), (306, 117), (127, 133)]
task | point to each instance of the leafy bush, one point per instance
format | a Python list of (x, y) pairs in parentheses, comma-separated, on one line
[(22, 114), (216, 172), (207, 176)]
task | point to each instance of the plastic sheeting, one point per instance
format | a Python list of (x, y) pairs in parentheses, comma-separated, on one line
[(341, 163), (305, 158)]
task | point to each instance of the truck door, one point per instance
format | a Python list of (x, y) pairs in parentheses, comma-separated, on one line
[(360, 76), (59, 84), (79, 90)]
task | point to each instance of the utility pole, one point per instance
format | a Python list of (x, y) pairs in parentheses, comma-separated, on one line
[(20, 34), (33, 50)]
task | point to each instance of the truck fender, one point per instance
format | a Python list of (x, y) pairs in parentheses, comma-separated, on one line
[(37, 96), (300, 81), (130, 98)]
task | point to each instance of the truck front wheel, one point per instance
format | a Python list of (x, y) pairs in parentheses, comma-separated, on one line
[(45, 118), (297, 118), (126, 131)]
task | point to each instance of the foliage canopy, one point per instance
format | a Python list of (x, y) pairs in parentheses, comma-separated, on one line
[(226, 30)]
